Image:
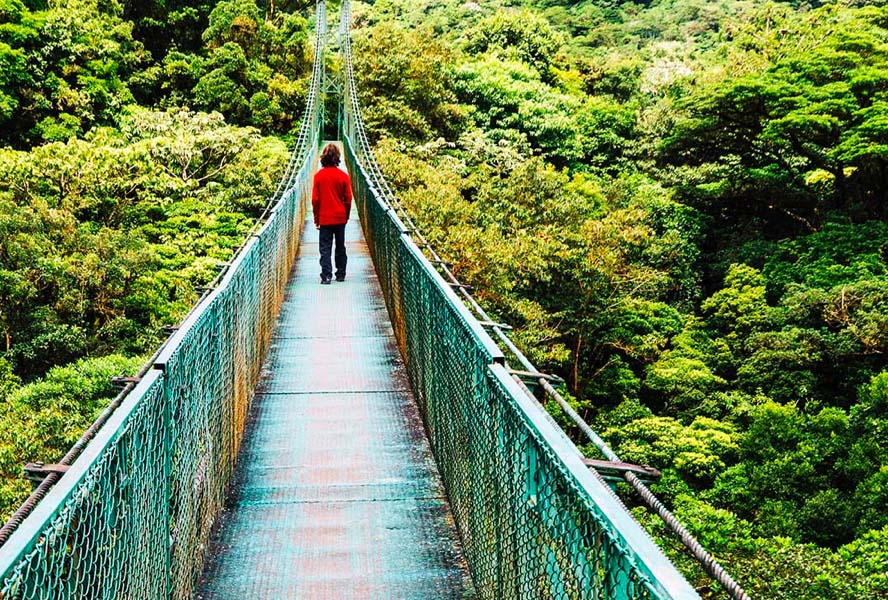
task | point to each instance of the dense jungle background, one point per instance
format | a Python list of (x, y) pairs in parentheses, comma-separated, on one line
[(679, 204)]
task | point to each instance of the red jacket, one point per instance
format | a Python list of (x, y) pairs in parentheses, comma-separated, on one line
[(331, 196)]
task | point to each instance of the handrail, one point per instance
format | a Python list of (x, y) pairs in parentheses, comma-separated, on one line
[(653, 575), (132, 515)]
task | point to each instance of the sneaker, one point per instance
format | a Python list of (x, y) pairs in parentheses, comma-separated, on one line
[(340, 278), (325, 281)]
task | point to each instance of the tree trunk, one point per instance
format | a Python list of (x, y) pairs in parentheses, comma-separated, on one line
[(576, 366)]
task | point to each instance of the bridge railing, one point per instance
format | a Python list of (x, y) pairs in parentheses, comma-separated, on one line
[(534, 522), (131, 517)]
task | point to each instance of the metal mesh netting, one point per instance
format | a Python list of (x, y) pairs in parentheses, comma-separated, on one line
[(534, 522), (530, 525), (132, 516), (107, 538)]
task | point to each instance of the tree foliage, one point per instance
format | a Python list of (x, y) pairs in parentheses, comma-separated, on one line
[(404, 84), (112, 214), (42, 420), (106, 238), (678, 204)]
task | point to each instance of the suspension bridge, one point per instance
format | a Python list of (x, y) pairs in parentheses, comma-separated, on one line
[(362, 440)]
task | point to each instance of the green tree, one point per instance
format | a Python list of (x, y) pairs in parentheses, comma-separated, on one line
[(569, 129), (42, 420), (106, 238), (740, 308), (405, 84), (523, 34), (799, 139), (64, 69)]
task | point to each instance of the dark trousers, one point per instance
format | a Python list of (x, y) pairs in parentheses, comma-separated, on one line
[(327, 234)]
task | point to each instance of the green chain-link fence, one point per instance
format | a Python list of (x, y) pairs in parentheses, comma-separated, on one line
[(534, 522), (131, 518)]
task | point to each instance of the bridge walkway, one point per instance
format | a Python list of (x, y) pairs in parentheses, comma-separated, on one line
[(336, 493)]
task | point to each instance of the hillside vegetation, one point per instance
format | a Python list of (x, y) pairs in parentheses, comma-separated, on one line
[(681, 206), (138, 142)]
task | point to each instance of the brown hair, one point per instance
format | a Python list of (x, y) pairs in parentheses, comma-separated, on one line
[(330, 156)]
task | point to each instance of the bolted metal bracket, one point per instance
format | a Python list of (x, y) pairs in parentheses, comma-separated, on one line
[(534, 377), (458, 286), (613, 472), (122, 381), (38, 471), (493, 324), (531, 379), (438, 261)]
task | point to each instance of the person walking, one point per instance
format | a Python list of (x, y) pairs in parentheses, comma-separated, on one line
[(331, 199)]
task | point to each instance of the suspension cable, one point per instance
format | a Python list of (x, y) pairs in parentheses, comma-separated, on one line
[(298, 156), (355, 131)]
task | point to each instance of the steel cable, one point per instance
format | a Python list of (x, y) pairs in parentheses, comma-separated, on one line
[(356, 132), (132, 516)]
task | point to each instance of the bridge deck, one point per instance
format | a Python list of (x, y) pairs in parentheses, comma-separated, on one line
[(336, 493)]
